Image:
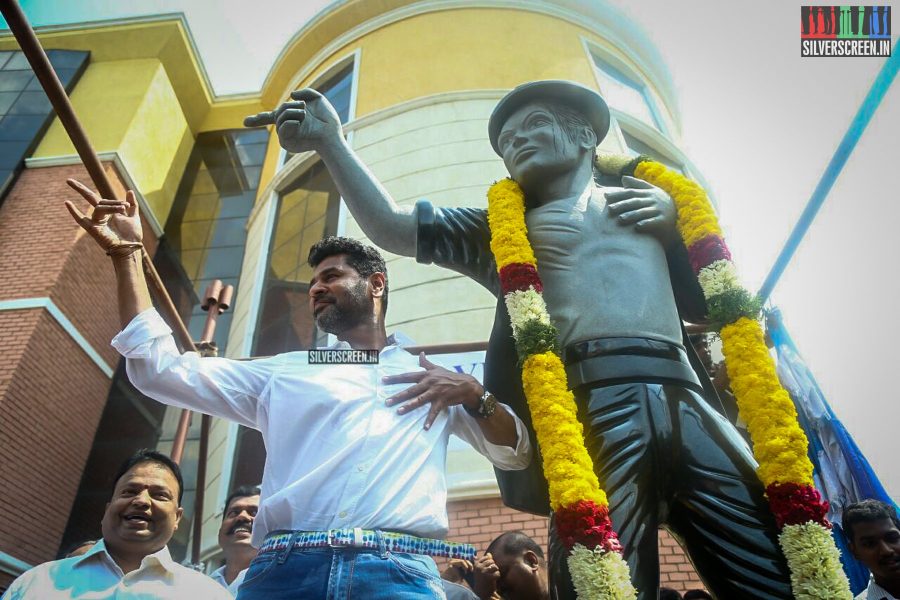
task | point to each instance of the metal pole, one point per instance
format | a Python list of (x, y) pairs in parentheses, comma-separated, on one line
[(216, 299), (55, 91), (835, 166), (205, 423)]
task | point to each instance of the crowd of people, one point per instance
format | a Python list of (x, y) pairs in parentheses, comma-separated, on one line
[(131, 559), (352, 502)]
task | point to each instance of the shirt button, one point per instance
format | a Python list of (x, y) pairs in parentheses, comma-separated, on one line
[(343, 514), (361, 468)]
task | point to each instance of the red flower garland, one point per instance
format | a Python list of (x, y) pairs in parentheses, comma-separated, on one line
[(795, 504), (518, 277), (587, 524), (707, 251)]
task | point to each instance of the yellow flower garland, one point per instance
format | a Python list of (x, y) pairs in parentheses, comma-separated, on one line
[(779, 443)]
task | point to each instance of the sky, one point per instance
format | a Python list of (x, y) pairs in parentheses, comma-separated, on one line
[(760, 123)]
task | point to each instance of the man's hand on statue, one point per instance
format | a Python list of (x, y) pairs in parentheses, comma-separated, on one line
[(645, 206), (435, 385), (487, 576), (114, 224), (303, 124)]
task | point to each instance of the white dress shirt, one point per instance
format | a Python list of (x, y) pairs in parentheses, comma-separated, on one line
[(336, 455), (219, 577), (95, 575), (875, 592)]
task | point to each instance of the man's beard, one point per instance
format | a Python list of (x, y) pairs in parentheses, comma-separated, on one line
[(338, 318)]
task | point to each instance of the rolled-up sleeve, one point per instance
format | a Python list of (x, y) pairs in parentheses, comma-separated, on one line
[(503, 457), (217, 386)]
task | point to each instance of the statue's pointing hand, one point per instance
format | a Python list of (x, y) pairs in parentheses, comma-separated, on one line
[(645, 206), (308, 122)]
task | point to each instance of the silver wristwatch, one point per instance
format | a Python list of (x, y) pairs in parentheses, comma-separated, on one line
[(487, 405)]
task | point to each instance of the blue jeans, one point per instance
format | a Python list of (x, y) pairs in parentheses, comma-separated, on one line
[(341, 574)]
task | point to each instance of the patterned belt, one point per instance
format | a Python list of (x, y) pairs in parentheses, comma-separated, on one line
[(368, 539)]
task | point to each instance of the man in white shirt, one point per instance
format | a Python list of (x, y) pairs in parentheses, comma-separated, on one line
[(354, 489), (131, 561), (874, 533), (234, 537)]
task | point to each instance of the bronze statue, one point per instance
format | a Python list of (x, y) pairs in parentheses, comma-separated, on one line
[(617, 283)]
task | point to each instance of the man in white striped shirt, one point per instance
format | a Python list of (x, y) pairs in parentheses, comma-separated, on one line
[(874, 533)]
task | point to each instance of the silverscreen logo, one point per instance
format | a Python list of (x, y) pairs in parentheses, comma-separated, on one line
[(845, 31), (343, 357)]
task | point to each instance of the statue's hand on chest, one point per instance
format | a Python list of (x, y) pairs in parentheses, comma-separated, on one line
[(644, 208)]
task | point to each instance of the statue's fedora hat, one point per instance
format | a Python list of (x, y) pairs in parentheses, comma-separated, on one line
[(574, 95)]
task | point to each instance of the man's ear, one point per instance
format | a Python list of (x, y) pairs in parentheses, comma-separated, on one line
[(852, 548), (532, 560), (376, 281), (178, 514)]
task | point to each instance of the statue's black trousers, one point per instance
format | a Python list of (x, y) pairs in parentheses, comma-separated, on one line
[(666, 458)]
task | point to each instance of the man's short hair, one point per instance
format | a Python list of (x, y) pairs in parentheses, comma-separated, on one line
[(365, 259), (146, 455), (666, 593), (697, 595), (514, 543), (866, 512), (243, 491)]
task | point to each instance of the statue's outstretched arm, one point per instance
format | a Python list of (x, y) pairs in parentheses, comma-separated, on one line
[(309, 122)]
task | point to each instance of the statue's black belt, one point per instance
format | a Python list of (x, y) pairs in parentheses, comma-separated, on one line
[(613, 360)]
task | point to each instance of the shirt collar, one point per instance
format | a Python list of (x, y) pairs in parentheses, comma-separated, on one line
[(876, 592), (162, 557), (398, 339)]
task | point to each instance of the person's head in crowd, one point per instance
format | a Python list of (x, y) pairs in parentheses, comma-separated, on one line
[(873, 530), (700, 342), (79, 548), (697, 595), (237, 526), (349, 285), (145, 508), (523, 569), (666, 593)]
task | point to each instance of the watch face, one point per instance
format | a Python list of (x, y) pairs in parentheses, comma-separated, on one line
[(488, 405)]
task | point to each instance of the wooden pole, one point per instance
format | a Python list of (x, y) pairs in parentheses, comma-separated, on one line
[(55, 91)]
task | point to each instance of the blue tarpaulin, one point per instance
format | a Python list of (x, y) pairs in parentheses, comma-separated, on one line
[(842, 473)]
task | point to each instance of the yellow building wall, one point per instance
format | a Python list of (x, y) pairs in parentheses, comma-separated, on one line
[(130, 107), (453, 50), (157, 145)]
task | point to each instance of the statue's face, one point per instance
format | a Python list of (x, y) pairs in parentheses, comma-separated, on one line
[(535, 147)]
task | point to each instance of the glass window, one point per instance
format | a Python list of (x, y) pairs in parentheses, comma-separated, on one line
[(206, 230), (25, 110), (307, 212), (625, 93)]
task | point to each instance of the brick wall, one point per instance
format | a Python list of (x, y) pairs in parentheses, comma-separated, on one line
[(478, 522), (51, 393)]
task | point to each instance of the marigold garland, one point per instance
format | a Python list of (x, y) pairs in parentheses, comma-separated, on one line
[(779, 443), (582, 515)]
